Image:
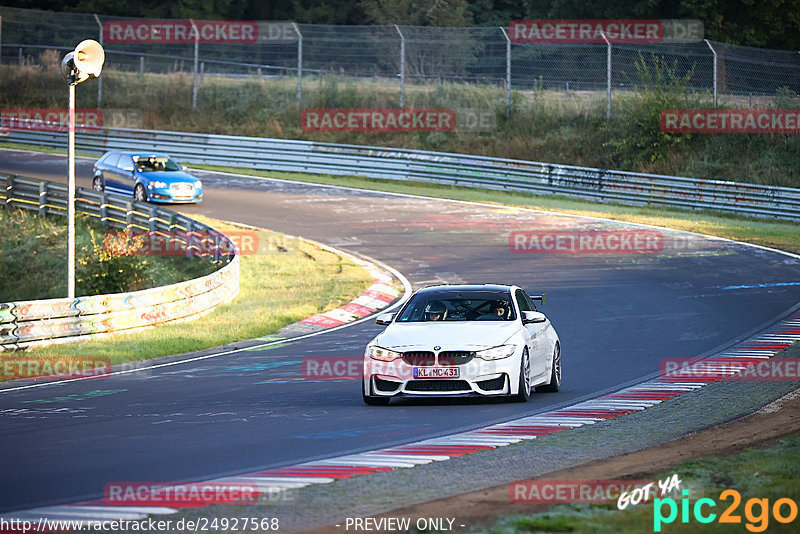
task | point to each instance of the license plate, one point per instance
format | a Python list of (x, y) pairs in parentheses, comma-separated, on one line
[(435, 372)]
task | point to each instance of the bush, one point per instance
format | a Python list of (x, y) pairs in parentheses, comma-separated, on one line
[(635, 136)]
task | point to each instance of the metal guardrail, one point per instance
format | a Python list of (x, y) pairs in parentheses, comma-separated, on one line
[(39, 322), (601, 185)]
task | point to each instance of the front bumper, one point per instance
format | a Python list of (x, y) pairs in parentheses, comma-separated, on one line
[(166, 195), (475, 378)]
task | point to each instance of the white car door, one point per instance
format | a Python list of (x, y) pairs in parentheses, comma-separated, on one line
[(538, 332)]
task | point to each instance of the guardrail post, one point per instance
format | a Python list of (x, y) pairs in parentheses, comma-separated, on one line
[(189, 237), (508, 72), (43, 199), (715, 69), (9, 190), (141, 66), (402, 67), (128, 216), (103, 209), (151, 221)]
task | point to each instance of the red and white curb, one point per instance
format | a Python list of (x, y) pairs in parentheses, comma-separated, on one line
[(384, 290), (628, 400)]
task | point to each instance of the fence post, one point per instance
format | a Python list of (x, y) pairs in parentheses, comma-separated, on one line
[(196, 53), (608, 76), (402, 67), (508, 72), (715, 69), (299, 64), (99, 78), (141, 66)]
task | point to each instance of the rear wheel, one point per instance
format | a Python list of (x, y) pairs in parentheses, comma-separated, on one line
[(139, 194), (555, 373), (373, 400), (97, 184), (524, 387)]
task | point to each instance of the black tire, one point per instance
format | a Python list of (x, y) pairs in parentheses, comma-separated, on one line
[(524, 385), (97, 184), (555, 374), (139, 193), (373, 400)]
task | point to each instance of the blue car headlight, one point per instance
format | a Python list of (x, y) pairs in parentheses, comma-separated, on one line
[(158, 185)]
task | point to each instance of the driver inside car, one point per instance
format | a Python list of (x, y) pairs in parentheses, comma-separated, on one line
[(501, 309), (435, 311)]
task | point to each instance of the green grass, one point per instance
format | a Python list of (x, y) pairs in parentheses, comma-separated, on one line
[(771, 472), (33, 262), (782, 235), (287, 280)]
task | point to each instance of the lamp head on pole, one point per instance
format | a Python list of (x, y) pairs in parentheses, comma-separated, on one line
[(85, 62)]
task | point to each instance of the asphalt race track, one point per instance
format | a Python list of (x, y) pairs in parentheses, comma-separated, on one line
[(617, 315)]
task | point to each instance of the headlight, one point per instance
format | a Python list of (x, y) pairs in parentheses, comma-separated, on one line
[(198, 184), (496, 353), (385, 355), (158, 185)]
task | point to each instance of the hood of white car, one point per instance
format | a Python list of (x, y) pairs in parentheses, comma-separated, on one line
[(471, 335)]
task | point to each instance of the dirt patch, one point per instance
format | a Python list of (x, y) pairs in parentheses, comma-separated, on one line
[(772, 422)]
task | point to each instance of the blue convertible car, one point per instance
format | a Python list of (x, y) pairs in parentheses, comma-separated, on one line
[(148, 176)]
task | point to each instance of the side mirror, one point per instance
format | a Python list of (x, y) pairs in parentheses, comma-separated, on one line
[(384, 319), (529, 317)]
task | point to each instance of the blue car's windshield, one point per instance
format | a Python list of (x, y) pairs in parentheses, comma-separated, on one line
[(458, 306), (155, 164)]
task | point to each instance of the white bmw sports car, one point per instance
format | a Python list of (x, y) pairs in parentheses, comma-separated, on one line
[(463, 340)]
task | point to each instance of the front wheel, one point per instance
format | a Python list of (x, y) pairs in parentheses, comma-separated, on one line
[(139, 194), (524, 387), (555, 373)]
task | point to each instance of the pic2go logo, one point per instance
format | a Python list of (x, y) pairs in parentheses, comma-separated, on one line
[(756, 511)]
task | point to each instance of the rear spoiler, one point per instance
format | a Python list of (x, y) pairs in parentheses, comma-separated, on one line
[(540, 298)]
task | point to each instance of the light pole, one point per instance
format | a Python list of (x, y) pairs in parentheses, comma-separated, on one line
[(85, 62)]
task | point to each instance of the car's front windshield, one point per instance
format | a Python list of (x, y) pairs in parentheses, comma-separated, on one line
[(458, 306), (155, 164)]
